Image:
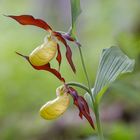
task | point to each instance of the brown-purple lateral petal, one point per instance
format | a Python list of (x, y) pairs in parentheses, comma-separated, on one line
[(46, 67), (30, 20), (82, 105), (59, 57), (24, 56), (68, 50)]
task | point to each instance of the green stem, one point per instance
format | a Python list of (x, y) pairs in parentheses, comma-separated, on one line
[(85, 71), (78, 85), (98, 121), (94, 101)]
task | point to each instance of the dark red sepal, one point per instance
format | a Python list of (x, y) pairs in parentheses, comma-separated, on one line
[(46, 67), (82, 105), (68, 49), (30, 20), (58, 57)]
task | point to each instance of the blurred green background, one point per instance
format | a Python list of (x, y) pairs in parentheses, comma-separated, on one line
[(24, 90)]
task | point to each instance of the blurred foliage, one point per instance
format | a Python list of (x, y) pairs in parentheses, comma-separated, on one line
[(23, 90)]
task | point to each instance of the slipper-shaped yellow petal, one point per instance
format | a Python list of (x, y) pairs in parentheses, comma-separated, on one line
[(54, 108), (44, 53)]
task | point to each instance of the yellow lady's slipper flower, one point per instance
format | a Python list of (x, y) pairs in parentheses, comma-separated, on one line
[(54, 108), (48, 49)]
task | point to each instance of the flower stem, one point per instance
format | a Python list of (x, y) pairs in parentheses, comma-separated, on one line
[(85, 71), (94, 101), (78, 85), (98, 121)]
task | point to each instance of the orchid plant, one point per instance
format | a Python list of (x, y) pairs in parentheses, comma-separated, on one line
[(113, 62)]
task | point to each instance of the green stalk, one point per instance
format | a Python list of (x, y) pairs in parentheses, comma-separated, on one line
[(94, 101), (78, 85), (75, 11), (85, 71), (98, 121)]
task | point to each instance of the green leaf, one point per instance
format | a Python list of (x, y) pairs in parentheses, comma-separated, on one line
[(113, 63), (75, 12)]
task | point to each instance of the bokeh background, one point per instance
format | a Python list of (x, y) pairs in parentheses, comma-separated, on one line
[(24, 90)]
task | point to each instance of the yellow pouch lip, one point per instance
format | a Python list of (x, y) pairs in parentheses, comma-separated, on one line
[(44, 53), (55, 108)]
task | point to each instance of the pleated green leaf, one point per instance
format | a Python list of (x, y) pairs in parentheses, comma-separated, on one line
[(113, 63)]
